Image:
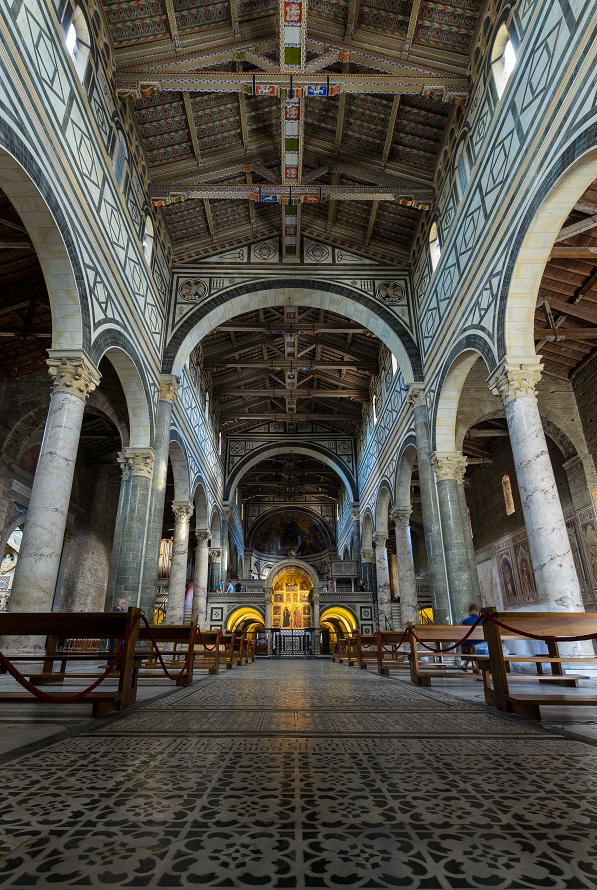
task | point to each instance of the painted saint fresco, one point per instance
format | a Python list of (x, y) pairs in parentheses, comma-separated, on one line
[(291, 609), (292, 534), (508, 578), (589, 533), (528, 588)]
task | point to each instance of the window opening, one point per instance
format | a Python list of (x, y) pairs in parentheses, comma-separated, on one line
[(374, 401), (77, 42), (462, 174), (394, 364), (148, 236), (503, 60), (434, 246), (508, 498)]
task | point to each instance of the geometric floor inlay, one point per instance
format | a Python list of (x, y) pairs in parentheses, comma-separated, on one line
[(303, 774)]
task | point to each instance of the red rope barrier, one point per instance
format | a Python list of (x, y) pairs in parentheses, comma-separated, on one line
[(448, 648), (208, 648), (548, 638), (159, 654), (365, 645), (394, 645), (59, 699)]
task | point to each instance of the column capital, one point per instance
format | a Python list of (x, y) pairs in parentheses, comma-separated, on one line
[(182, 510), (416, 395), (449, 465), (355, 515), (125, 464), (515, 378), (203, 536), (380, 538), (140, 462), (367, 556), (215, 553), (168, 388), (73, 372), (400, 516)]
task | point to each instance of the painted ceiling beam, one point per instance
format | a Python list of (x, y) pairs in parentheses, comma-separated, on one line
[(295, 364), (566, 334), (391, 127), (234, 17), (573, 310), (303, 328), (217, 163), (321, 148), (196, 45), (191, 125), (372, 218), (353, 15), (346, 237), (286, 192), (412, 25), (172, 23), (358, 394), (133, 85)]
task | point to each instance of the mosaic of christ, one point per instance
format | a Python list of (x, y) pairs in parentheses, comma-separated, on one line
[(292, 534)]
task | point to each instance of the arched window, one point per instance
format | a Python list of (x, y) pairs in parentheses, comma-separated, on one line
[(77, 42), (503, 59), (374, 402), (148, 236), (508, 499), (394, 364), (434, 246), (120, 160), (461, 172), (220, 442)]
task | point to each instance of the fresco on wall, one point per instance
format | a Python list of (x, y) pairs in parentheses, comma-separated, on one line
[(589, 536), (579, 562), (489, 583), (528, 588), (292, 534), (508, 580), (291, 609)]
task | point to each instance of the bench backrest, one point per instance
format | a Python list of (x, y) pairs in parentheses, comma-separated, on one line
[(208, 638), (392, 637), (446, 633), (83, 625), (169, 633), (557, 624)]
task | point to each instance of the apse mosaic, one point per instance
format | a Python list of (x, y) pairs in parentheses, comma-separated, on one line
[(292, 534)]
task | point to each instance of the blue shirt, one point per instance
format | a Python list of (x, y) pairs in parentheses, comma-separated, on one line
[(480, 645)]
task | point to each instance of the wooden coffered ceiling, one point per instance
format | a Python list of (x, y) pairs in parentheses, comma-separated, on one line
[(337, 109), (566, 314)]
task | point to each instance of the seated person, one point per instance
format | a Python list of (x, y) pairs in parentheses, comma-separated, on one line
[(479, 647)]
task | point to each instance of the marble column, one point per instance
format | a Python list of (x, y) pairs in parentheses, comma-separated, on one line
[(155, 520), (117, 539), (431, 518), (267, 601), (384, 597), (449, 470), (75, 377), (199, 613), (367, 566), (406, 568), (356, 539), (129, 568), (225, 525), (216, 566), (549, 545), (470, 547), (177, 584), (316, 620)]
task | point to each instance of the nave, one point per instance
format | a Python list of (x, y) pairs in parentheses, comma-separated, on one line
[(302, 773)]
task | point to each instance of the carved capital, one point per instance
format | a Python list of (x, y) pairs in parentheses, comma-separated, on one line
[(125, 464), (355, 516), (168, 388), (401, 517), (203, 537), (449, 466), (416, 395), (141, 461), (182, 510), (215, 553), (513, 380), (367, 556), (380, 539), (73, 373)]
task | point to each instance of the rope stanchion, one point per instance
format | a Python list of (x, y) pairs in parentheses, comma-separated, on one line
[(9, 667)]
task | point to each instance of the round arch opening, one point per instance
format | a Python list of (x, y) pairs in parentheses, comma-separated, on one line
[(244, 620)]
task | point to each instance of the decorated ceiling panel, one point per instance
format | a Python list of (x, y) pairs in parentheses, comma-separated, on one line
[(330, 111)]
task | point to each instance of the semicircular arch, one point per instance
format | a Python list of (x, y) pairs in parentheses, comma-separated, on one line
[(452, 379), (328, 295), (306, 448), (284, 564), (258, 524), (343, 614)]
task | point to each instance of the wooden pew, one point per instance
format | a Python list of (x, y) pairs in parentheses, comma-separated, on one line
[(352, 650), (343, 648), (231, 650), (182, 638), (207, 651), (441, 666), (367, 650), (250, 647), (56, 626), (496, 675), (392, 652)]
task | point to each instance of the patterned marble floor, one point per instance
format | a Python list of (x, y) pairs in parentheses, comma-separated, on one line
[(302, 774)]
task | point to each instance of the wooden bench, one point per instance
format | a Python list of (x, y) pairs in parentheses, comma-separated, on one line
[(442, 665), (342, 649), (250, 647), (367, 649), (182, 638), (57, 626), (231, 646), (392, 651), (207, 651), (496, 668)]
